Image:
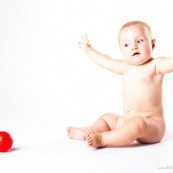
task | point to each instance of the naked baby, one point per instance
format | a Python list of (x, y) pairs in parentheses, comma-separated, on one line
[(143, 118)]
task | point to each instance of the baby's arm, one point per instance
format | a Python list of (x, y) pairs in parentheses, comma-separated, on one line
[(164, 65), (116, 66)]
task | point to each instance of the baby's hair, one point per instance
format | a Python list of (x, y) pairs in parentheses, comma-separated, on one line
[(138, 22)]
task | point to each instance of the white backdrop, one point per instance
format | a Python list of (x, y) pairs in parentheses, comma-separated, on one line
[(47, 83)]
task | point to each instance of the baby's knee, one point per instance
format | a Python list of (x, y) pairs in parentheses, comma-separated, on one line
[(108, 116), (139, 123)]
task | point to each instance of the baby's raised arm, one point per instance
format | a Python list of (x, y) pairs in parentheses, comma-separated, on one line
[(164, 65), (116, 66)]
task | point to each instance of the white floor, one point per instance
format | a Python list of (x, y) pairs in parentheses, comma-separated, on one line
[(47, 83), (63, 155)]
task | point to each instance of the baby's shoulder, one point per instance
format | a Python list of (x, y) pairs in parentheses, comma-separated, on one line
[(158, 60), (155, 60)]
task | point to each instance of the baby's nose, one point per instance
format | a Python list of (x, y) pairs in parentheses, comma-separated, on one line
[(134, 47)]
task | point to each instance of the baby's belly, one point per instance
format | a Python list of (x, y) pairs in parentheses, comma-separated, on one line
[(144, 111), (145, 104)]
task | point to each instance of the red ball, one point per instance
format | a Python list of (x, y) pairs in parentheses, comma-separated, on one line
[(6, 141)]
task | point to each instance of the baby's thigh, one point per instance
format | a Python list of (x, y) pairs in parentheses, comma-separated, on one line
[(154, 131), (120, 122), (113, 121)]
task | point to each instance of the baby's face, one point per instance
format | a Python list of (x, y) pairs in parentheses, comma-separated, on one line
[(135, 44)]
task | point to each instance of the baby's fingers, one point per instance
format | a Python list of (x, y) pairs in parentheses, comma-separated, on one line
[(85, 39)]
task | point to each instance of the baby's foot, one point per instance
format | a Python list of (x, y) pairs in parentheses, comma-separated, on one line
[(78, 133), (95, 140)]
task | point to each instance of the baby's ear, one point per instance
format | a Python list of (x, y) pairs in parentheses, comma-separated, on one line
[(153, 42)]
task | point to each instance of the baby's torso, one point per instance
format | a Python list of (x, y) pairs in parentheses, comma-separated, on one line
[(142, 91)]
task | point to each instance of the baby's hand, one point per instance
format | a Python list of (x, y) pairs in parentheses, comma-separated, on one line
[(85, 45)]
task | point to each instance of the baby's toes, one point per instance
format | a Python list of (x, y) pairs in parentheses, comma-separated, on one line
[(85, 136), (89, 140), (69, 132)]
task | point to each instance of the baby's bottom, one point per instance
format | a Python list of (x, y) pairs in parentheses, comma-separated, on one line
[(113, 131)]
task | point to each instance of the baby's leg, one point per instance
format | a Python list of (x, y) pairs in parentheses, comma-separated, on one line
[(142, 129), (78, 133), (105, 123)]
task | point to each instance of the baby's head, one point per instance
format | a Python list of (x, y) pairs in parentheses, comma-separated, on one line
[(136, 42), (137, 22)]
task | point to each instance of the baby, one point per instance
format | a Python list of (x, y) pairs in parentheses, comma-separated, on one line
[(143, 118)]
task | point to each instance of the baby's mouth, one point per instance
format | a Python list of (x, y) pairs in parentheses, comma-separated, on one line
[(136, 53)]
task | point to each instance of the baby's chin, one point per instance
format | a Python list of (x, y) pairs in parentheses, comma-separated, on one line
[(138, 61)]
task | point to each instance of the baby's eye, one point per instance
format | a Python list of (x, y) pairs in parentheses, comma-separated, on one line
[(140, 41), (126, 45)]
